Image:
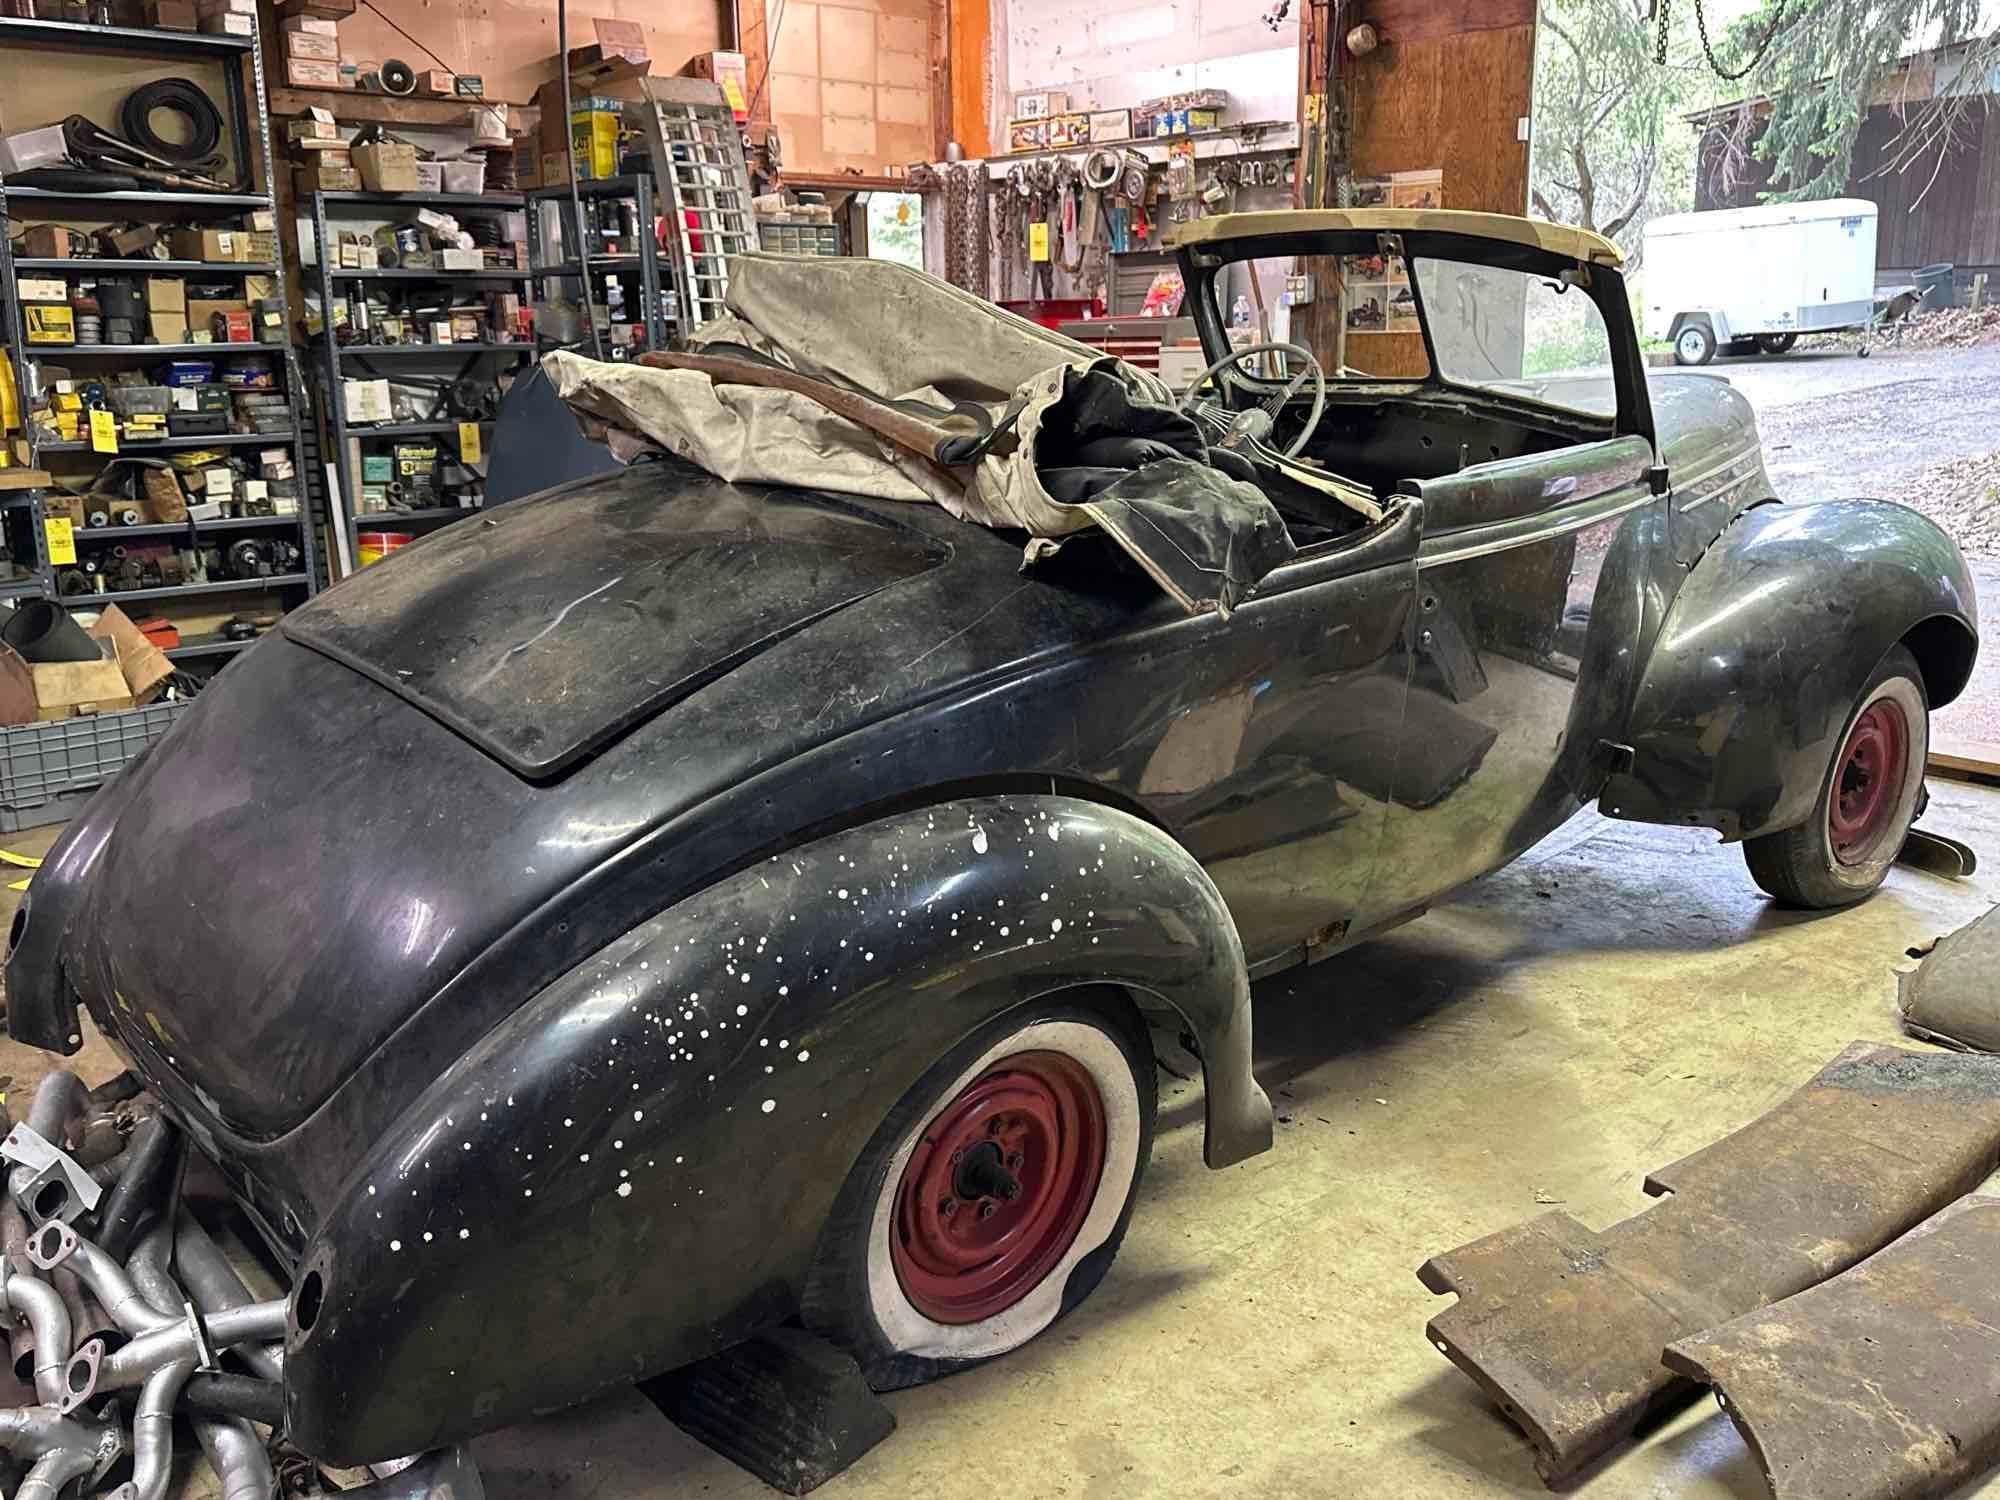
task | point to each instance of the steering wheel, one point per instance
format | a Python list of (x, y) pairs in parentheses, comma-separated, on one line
[(1258, 421)]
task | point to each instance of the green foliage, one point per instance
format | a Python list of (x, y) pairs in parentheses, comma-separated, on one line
[(1824, 65)]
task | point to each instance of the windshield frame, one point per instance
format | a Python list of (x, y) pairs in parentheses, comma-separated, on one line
[(1202, 261)]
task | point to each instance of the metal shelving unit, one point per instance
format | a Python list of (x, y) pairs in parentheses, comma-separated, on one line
[(339, 360), (245, 109), (658, 312)]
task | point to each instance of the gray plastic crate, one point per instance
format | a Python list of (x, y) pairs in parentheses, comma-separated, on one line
[(48, 771)]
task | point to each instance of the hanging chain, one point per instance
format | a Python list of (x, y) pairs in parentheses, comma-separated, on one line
[(1708, 50)]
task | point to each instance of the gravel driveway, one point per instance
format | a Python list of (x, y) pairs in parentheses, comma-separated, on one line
[(1919, 425)]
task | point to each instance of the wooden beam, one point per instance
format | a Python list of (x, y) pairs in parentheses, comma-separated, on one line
[(1964, 760), (941, 104), (753, 40), (971, 52), (385, 109)]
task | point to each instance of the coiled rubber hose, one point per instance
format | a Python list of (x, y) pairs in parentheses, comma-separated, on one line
[(184, 98)]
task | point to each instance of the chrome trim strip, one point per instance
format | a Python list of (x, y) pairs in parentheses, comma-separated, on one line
[(1522, 531), (1679, 484), (1717, 493)]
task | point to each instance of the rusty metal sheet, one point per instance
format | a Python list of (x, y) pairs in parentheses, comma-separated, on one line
[(1950, 997), (1877, 1385), (1563, 1325)]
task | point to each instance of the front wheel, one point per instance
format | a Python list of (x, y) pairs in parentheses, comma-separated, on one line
[(1867, 803), (992, 1199)]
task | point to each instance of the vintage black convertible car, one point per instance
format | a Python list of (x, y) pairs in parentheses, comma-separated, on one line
[(662, 908)]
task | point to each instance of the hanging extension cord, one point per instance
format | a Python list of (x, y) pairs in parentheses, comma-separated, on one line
[(576, 193)]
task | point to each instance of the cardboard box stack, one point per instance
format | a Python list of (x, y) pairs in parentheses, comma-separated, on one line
[(309, 41)]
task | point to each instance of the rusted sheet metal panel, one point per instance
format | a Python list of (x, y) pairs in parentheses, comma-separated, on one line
[(1563, 1326), (1878, 1385), (1950, 997)]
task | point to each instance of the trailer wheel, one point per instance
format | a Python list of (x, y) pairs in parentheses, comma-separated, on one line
[(1694, 344), (1777, 343)]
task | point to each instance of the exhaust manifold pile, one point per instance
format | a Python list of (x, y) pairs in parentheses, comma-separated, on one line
[(125, 1328)]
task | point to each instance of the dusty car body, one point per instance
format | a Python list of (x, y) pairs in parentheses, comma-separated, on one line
[(541, 929)]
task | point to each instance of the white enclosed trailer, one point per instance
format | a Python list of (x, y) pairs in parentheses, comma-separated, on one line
[(1734, 278)]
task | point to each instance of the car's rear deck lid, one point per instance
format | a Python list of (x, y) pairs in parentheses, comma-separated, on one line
[(545, 629)]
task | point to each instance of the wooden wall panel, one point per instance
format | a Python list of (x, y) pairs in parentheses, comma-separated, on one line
[(1452, 102), (1405, 21)]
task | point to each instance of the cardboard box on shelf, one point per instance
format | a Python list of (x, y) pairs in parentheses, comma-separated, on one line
[(166, 294), (731, 71), (42, 289), (50, 325), (594, 133), (133, 242), (62, 505), (306, 73), (387, 166), (312, 46), (327, 172), (261, 245), (468, 85), (64, 689), (203, 311), (209, 244), (314, 25), (366, 400), (437, 83), (1040, 104), (324, 10), (143, 665), (228, 23), (47, 242), (206, 8), (619, 53), (173, 15), (168, 327), (1069, 130), (1110, 125)]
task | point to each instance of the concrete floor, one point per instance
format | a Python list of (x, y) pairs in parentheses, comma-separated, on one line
[(1615, 1000)]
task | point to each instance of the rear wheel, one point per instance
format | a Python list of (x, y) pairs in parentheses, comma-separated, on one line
[(993, 1198), (1872, 793), (1777, 343), (1694, 345)]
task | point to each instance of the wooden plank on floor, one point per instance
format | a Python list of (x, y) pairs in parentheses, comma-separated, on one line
[(1965, 760)]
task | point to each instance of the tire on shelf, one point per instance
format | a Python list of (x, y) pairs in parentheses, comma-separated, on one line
[(993, 1198), (1872, 792)]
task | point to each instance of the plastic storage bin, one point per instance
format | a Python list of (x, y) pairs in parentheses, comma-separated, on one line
[(48, 771)]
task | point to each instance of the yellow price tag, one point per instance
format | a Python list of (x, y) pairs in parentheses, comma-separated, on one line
[(1038, 241), (103, 431), (61, 538), (468, 442)]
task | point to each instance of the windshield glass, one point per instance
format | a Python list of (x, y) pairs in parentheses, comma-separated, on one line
[(1516, 334)]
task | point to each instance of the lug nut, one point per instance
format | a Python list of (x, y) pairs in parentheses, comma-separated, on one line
[(1014, 1162), (948, 1207), (987, 1209), (993, 1126)]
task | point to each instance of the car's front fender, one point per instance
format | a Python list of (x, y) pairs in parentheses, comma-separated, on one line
[(630, 1172), (1766, 647)]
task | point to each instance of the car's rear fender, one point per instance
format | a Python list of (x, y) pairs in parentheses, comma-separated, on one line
[(631, 1171), (1756, 667)]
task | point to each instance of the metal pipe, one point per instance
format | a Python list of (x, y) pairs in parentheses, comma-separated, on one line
[(149, 1160), (42, 1305), (237, 1455), (112, 1286), (107, 1172), (58, 1098), (443, 1474), (14, 1245), (234, 1450), (153, 1431), (149, 1352), (237, 1396), (63, 1448), (206, 1272)]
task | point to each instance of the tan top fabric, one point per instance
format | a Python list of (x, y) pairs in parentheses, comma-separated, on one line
[(1559, 239)]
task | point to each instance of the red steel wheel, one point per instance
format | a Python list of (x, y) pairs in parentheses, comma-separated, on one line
[(1872, 767), (997, 1187)]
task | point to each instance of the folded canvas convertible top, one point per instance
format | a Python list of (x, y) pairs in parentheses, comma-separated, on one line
[(874, 379)]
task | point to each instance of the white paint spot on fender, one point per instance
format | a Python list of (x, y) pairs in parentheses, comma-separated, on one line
[(624, 1189), (395, 1244), (803, 1054), (769, 1105), (979, 841), (1056, 925)]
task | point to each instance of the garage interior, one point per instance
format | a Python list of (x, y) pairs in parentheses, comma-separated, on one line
[(352, 782)]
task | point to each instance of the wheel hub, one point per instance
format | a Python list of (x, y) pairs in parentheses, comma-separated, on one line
[(1868, 784), (998, 1186)]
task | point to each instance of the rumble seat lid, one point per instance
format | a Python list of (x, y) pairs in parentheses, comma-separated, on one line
[(544, 629)]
